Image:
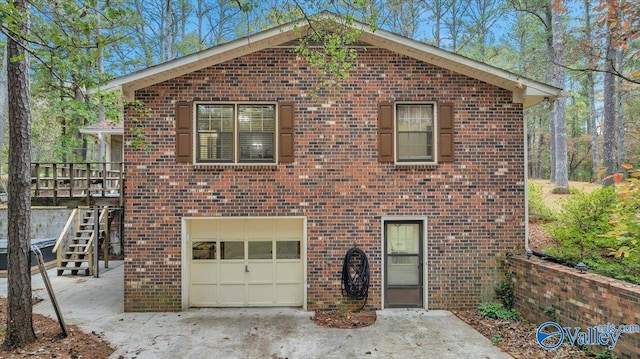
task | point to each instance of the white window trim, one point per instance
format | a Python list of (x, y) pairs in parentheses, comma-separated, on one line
[(396, 160), (236, 162)]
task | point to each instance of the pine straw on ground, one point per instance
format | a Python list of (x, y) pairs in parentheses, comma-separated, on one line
[(344, 319), (517, 338), (51, 344)]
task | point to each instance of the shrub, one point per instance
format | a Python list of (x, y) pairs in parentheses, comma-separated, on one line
[(602, 229), (582, 220), (497, 311), (538, 210)]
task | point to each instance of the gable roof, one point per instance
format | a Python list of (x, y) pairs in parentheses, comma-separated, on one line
[(525, 91)]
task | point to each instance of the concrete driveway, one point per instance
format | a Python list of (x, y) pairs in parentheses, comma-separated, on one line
[(96, 304)]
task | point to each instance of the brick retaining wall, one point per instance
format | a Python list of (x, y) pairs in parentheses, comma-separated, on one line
[(579, 300)]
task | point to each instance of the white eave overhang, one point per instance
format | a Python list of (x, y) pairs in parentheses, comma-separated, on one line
[(525, 91)]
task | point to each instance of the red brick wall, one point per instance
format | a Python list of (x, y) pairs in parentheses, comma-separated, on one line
[(579, 300), (475, 206)]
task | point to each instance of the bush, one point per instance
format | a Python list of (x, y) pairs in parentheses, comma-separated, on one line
[(602, 229), (581, 223), (538, 210), (497, 311)]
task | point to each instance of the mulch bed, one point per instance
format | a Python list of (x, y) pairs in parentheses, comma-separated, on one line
[(344, 319)]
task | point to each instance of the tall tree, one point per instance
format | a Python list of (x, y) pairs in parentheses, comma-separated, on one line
[(402, 17), (609, 130), (19, 311), (454, 23), (558, 115), (482, 16), (437, 11), (591, 97)]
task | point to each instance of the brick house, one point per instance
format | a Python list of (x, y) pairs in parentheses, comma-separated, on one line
[(256, 183)]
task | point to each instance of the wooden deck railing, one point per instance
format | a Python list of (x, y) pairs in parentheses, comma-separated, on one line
[(73, 184)]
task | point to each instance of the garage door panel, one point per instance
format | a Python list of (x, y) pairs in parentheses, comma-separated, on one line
[(288, 272), (260, 273), (289, 229), (232, 294), (203, 272), (231, 229), (288, 294), (232, 273), (204, 295), (203, 229), (260, 229), (261, 294)]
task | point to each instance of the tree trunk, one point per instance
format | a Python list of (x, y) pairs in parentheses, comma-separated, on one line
[(4, 103), (608, 133), (550, 76), (19, 311), (539, 152), (561, 179), (622, 153), (591, 97)]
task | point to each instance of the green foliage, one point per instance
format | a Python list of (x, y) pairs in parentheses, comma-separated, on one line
[(138, 112), (552, 312), (497, 311), (497, 339), (505, 292), (581, 221), (329, 49), (606, 354), (538, 210), (602, 230), (561, 190)]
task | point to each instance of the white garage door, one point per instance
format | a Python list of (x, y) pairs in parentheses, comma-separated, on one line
[(246, 262)]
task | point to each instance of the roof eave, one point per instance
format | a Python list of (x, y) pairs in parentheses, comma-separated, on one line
[(525, 91)]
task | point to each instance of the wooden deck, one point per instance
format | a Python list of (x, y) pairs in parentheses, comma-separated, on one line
[(77, 184)]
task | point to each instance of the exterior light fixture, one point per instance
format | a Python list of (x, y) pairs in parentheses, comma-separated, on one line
[(528, 253), (581, 267), (546, 103)]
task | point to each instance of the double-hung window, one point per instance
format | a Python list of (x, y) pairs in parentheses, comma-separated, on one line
[(235, 133), (415, 134)]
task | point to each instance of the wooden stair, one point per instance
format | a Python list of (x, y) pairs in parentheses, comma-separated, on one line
[(77, 256)]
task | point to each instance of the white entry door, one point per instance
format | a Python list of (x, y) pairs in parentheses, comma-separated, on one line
[(246, 262)]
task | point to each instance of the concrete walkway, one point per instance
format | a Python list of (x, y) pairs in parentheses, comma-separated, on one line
[(96, 304)]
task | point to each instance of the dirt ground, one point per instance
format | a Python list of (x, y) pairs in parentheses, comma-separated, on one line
[(50, 343)]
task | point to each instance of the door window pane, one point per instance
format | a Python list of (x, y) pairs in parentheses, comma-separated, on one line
[(260, 250), (288, 250), (231, 250), (203, 250), (405, 273), (403, 238)]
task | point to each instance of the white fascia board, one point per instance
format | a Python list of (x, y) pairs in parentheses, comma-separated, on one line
[(119, 131)]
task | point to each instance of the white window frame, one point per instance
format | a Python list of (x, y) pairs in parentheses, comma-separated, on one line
[(236, 155), (396, 151)]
